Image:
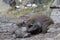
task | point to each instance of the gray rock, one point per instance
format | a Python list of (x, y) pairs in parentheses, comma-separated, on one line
[(57, 36), (34, 5), (50, 35), (21, 32), (54, 28), (7, 27), (48, 39)]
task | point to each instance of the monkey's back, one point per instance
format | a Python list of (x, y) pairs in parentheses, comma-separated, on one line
[(44, 19)]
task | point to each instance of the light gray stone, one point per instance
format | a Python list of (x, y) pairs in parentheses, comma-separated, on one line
[(48, 39)]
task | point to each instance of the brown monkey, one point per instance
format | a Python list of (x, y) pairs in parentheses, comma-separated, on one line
[(34, 25), (39, 21)]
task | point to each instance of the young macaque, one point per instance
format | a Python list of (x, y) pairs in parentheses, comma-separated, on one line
[(37, 23)]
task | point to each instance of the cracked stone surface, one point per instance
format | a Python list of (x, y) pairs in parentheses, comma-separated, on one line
[(8, 25)]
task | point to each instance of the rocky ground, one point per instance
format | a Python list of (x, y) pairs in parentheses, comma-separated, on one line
[(8, 25)]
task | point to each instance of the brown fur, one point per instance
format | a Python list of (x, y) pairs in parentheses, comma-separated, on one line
[(35, 24), (44, 21)]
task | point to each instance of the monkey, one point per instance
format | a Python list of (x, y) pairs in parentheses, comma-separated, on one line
[(37, 23), (40, 22)]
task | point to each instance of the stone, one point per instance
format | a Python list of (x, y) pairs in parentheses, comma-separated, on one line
[(20, 0), (17, 7), (57, 36), (48, 39), (34, 5), (7, 27), (54, 28), (29, 5)]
